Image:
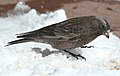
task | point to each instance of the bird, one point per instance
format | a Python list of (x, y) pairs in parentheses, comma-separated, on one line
[(69, 34)]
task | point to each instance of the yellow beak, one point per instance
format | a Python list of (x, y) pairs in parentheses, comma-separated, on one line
[(107, 33)]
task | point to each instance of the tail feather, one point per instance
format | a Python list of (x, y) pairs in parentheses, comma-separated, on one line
[(19, 41)]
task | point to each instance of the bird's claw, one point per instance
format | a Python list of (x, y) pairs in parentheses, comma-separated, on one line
[(82, 57), (76, 56), (87, 46)]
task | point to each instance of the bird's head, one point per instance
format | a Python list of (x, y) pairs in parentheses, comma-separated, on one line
[(103, 26)]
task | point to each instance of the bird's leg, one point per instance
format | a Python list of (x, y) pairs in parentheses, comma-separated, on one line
[(87, 46), (74, 55), (71, 54)]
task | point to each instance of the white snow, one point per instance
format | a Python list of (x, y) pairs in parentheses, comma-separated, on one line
[(20, 60)]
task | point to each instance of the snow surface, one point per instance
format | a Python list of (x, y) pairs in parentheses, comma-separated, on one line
[(20, 60)]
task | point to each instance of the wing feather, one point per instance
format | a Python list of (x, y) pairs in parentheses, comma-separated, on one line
[(58, 32)]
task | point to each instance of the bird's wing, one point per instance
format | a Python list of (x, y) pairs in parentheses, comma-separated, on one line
[(58, 32)]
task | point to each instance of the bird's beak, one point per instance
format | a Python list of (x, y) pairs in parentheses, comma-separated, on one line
[(107, 33)]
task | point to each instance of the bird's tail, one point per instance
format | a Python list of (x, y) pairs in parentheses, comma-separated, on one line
[(19, 41)]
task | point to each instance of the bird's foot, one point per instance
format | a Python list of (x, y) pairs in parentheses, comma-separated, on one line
[(87, 46), (81, 57), (76, 56)]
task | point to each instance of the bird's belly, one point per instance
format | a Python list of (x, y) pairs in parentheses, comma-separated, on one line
[(62, 45), (70, 44), (65, 44)]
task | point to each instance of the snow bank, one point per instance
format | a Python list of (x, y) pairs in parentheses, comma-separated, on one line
[(20, 60)]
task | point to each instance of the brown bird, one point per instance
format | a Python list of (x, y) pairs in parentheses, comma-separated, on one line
[(69, 34)]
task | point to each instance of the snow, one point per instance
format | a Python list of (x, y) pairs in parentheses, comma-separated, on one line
[(21, 60)]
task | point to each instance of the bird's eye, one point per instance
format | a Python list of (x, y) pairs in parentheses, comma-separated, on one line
[(102, 26)]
